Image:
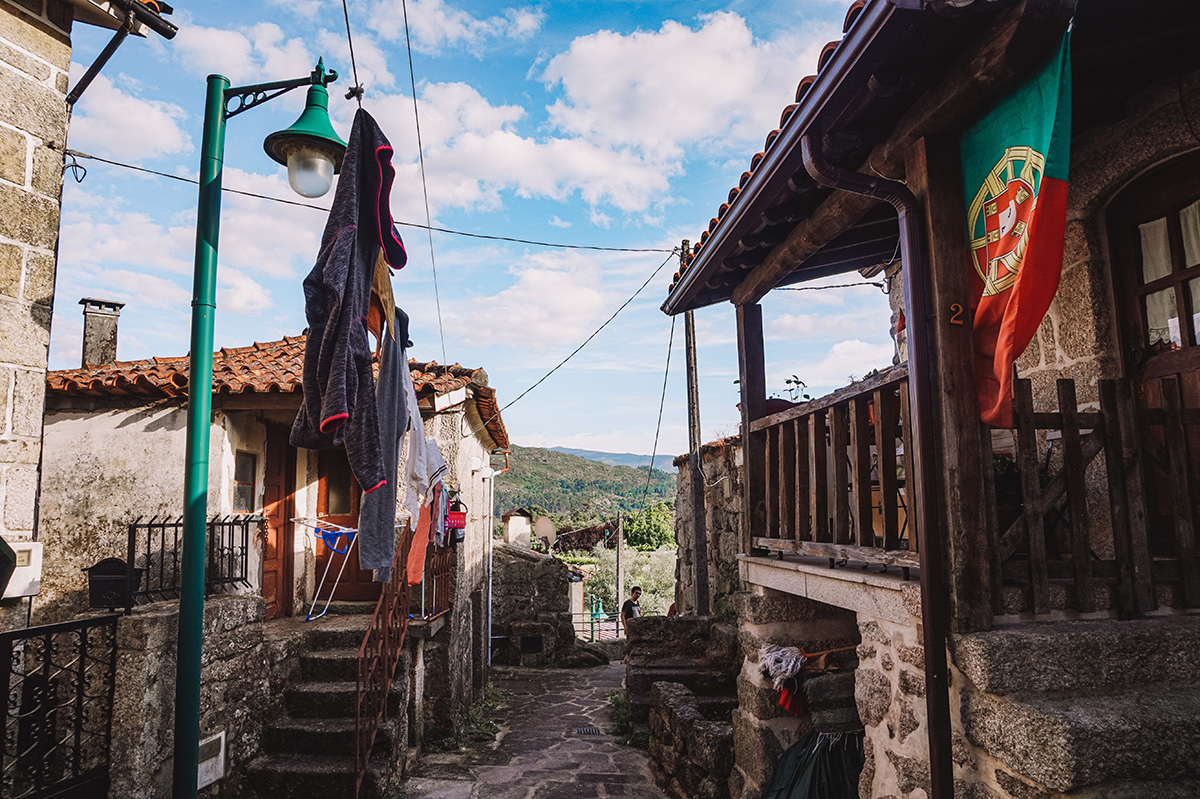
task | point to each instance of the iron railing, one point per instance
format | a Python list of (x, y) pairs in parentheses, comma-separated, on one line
[(378, 656), (58, 682), (437, 582), (154, 566), (828, 476)]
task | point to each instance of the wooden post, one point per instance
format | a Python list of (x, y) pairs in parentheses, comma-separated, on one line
[(752, 371), (934, 176), (695, 442)]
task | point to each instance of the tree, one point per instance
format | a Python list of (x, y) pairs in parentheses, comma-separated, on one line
[(653, 570), (651, 528)]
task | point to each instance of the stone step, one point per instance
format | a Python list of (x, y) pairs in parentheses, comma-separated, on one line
[(333, 699), (1080, 655), (316, 736), (713, 708), (1067, 740), (330, 664), (702, 681), (339, 632), (315, 777), (340, 607)]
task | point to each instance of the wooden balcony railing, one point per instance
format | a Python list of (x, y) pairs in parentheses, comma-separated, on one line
[(831, 475)]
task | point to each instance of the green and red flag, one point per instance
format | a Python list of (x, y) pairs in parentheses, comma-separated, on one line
[(1015, 164)]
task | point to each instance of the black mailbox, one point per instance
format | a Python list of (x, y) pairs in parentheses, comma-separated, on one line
[(108, 584)]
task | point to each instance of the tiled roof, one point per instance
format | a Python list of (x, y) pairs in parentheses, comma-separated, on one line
[(802, 89), (272, 367)]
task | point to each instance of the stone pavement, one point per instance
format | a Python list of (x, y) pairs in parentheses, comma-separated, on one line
[(539, 752)]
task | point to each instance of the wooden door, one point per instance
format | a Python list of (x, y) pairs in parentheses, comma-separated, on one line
[(1154, 230), (278, 508), (338, 495)]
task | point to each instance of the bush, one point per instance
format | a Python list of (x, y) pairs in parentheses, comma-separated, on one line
[(653, 571)]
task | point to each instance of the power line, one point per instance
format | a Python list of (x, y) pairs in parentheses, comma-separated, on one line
[(661, 404), (356, 91), (575, 351), (836, 286), (298, 204), (412, 75)]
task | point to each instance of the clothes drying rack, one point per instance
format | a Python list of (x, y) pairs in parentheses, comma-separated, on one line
[(330, 533)]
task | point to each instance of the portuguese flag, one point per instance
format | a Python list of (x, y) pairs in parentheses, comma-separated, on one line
[(1015, 163)]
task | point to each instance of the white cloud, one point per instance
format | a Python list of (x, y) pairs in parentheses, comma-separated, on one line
[(555, 302), (435, 25), (113, 123), (260, 52), (658, 90), (845, 358), (554, 221), (265, 238), (240, 294), (127, 240)]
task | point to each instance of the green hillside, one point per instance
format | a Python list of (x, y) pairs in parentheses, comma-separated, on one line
[(574, 488)]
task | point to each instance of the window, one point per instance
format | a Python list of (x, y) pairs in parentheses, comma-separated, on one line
[(245, 470)]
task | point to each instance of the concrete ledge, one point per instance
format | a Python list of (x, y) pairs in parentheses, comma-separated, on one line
[(860, 590)]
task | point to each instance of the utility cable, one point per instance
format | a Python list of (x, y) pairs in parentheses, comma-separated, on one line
[(882, 286), (412, 76), (575, 351), (356, 91), (298, 204), (661, 404)]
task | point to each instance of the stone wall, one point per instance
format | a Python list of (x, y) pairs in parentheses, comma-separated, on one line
[(721, 462), (242, 675), (692, 755), (35, 54), (531, 595), (762, 729), (699, 652)]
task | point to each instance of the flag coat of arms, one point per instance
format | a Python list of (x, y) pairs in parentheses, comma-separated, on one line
[(1015, 163)]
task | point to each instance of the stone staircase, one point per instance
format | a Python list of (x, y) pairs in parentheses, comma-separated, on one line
[(692, 651), (1100, 708), (310, 750)]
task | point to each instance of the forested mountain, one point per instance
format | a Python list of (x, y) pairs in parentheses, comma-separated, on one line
[(574, 488), (661, 461)]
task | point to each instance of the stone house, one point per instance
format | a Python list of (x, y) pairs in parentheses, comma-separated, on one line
[(1022, 600), (35, 54), (122, 425)]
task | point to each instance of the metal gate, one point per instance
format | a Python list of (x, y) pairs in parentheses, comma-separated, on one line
[(58, 682)]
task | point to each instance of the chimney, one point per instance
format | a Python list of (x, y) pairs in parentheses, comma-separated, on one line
[(100, 330)]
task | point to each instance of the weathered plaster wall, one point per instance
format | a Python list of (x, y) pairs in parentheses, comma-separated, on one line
[(105, 468), (721, 463), (238, 671), (35, 53)]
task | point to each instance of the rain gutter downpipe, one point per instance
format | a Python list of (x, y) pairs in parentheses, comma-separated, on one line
[(921, 394)]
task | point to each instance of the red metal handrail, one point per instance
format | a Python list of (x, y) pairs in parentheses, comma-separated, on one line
[(378, 656)]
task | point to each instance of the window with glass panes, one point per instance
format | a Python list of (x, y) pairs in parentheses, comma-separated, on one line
[(245, 471)]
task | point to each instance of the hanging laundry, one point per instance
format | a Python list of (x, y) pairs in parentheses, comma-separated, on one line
[(424, 464), (439, 517), (377, 511), (339, 406), (418, 548)]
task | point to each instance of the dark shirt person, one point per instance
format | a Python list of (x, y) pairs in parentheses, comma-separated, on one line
[(631, 609)]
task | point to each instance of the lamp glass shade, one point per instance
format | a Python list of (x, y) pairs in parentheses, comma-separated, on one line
[(310, 146), (310, 172)]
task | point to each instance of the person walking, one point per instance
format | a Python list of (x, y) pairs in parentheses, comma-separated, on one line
[(631, 609)]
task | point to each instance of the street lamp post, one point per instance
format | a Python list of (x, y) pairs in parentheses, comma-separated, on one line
[(313, 153)]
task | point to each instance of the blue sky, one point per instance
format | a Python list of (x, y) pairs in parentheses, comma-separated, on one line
[(614, 123)]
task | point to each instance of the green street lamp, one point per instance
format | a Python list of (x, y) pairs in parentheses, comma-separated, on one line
[(313, 153)]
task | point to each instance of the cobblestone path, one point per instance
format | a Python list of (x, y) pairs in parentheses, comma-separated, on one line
[(540, 752)]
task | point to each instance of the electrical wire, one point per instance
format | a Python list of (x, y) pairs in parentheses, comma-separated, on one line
[(881, 286), (661, 404), (575, 351), (412, 75), (298, 204), (356, 91)]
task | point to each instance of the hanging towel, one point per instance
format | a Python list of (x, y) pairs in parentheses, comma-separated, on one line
[(339, 405), (377, 511), (424, 464), (416, 550)]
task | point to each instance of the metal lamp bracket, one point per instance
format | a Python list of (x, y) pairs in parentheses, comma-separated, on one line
[(243, 98)]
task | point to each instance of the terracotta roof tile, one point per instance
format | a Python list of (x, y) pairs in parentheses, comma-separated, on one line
[(271, 367)]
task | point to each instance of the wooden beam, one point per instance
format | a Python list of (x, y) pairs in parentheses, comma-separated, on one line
[(934, 176), (1005, 51), (753, 383), (884, 557)]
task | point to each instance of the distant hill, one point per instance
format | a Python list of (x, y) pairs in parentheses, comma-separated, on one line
[(621, 458), (568, 485)]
